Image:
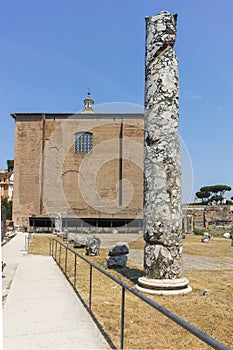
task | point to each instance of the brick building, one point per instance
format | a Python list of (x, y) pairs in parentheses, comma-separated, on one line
[(86, 166)]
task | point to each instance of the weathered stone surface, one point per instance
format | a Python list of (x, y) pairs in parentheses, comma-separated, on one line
[(162, 170), (93, 246), (71, 237), (66, 235), (58, 223), (206, 215), (226, 235), (59, 233), (119, 249), (164, 286), (206, 237), (80, 242), (114, 262), (117, 256), (162, 262)]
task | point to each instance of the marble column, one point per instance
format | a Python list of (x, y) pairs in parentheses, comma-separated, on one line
[(162, 169)]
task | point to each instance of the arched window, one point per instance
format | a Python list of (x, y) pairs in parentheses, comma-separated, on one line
[(83, 142)]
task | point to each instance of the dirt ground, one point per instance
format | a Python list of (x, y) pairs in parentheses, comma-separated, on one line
[(208, 266), (190, 262)]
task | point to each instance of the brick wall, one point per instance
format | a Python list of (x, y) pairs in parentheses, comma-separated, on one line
[(27, 158), (50, 177)]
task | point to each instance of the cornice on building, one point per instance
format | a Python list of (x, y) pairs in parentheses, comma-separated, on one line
[(30, 116)]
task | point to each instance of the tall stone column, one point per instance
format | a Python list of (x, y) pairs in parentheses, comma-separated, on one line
[(162, 169)]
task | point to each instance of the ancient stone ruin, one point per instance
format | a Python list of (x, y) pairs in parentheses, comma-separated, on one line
[(117, 256), (162, 169), (206, 237), (93, 246), (80, 242), (58, 223), (92, 243)]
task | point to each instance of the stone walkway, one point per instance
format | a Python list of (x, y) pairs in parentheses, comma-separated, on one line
[(12, 252), (41, 310)]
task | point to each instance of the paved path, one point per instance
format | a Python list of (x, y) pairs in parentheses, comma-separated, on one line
[(12, 252), (41, 310)]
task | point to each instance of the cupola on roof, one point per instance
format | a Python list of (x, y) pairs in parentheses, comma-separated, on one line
[(88, 104)]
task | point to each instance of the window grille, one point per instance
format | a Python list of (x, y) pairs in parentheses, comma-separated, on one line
[(83, 142)]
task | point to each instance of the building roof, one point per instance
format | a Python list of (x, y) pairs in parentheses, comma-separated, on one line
[(36, 115)]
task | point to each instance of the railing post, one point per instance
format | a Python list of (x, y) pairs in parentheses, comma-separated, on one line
[(66, 261), (90, 288), (122, 317), (56, 251), (175, 318), (60, 255), (75, 262), (52, 245)]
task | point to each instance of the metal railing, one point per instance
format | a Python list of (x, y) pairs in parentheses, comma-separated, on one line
[(56, 254), (27, 241)]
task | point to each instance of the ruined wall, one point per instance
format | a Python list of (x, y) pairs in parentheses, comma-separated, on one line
[(207, 215)]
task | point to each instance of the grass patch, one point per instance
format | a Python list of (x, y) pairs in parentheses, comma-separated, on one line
[(146, 328), (40, 244), (218, 247)]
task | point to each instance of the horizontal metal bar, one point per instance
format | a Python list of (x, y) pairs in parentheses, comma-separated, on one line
[(186, 325)]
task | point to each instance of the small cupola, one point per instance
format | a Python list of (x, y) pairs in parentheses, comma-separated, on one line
[(88, 104)]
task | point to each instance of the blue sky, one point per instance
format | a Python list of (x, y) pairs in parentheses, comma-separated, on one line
[(53, 51)]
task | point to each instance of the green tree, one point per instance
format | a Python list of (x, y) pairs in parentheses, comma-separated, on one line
[(10, 165), (8, 205), (212, 193), (216, 198), (203, 195)]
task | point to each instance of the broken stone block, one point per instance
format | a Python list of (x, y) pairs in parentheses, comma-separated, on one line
[(93, 246), (206, 237), (114, 262), (80, 242), (226, 235), (119, 249)]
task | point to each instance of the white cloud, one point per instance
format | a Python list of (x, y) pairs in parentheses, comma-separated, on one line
[(190, 95), (197, 97)]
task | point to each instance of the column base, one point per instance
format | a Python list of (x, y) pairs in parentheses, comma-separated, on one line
[(163, 286)]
